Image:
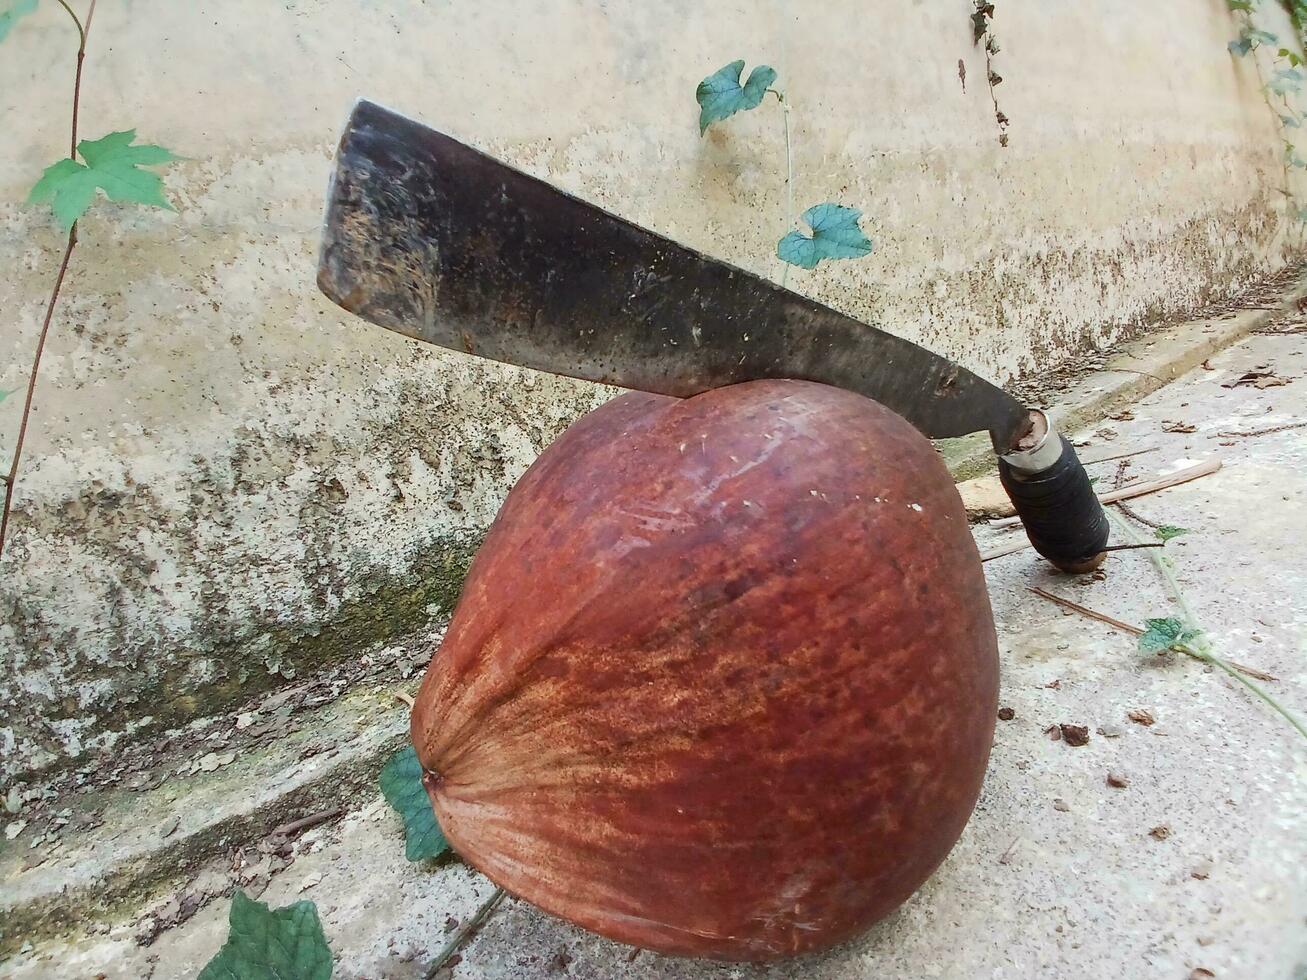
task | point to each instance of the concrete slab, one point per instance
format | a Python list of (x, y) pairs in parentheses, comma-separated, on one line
[(1198, 862)]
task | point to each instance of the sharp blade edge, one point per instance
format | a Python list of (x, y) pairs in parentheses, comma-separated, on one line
[(440, 242)]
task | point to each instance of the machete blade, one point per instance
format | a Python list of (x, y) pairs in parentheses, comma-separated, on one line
[(438, 241)]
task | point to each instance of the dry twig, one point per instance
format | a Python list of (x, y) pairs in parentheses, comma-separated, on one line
[(1104, 618)]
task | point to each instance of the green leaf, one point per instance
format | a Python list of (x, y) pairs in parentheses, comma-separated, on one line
[(1168, 531), (1260, 37), (1162, 634), (720, 95), (1244, 5), (113, 165), (835, 235), (1292, 58), (1285, 80), (12, 12), (1240, 46), (1290, 122), (265, 944), (401, 784)]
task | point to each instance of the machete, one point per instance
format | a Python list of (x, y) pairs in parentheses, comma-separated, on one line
[(440, 242)]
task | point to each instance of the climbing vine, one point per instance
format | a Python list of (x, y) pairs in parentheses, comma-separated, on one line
[(835, 229), (1285, 80), (982, 30), (111, 165)]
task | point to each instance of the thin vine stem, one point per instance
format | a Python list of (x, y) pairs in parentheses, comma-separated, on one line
[(465, 933), (81, 32), (11, 478), (790, 217), (1202, 649)]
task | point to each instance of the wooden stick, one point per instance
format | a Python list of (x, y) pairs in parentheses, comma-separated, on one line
[(304, 823), (1104, 618), (1010, 549), (1133, 514), (1108, 459), (1142, 489), (1264, 432), (1085, 610)]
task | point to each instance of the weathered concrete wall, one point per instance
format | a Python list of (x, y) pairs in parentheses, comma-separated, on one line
[(227, 481)]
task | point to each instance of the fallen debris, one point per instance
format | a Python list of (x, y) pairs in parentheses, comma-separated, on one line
[(1262, 376), (1115, 779), (1011, 849), (1140, 716), (1075, 734)]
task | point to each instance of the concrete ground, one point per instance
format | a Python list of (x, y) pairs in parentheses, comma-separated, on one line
[(1198, 863)]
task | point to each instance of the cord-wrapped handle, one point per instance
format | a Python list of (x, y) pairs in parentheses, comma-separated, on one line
[(1061, 512)]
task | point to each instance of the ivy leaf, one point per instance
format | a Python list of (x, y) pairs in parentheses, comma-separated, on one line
[(1290, 122), (266, 944), (835, 235), (113, 165), (1291, 57), (1240, 46), (1285, 80), (11, 13), (401, 784), (980, 20), (1244, 5), (720, 95), (1260, 37), (1162, 634), (1168, 531)]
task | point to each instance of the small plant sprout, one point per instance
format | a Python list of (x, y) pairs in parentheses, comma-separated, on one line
[(835, 232), (110, 165), (1183, 634)]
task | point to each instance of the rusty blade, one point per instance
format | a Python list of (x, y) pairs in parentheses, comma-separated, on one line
[(435, 240)]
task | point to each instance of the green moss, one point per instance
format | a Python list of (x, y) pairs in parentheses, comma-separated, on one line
[(391, 608)]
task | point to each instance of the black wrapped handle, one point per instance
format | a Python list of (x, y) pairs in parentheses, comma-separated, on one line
[(1061, 512)]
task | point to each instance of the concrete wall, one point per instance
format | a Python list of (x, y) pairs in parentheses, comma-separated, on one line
[(228, 482)]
